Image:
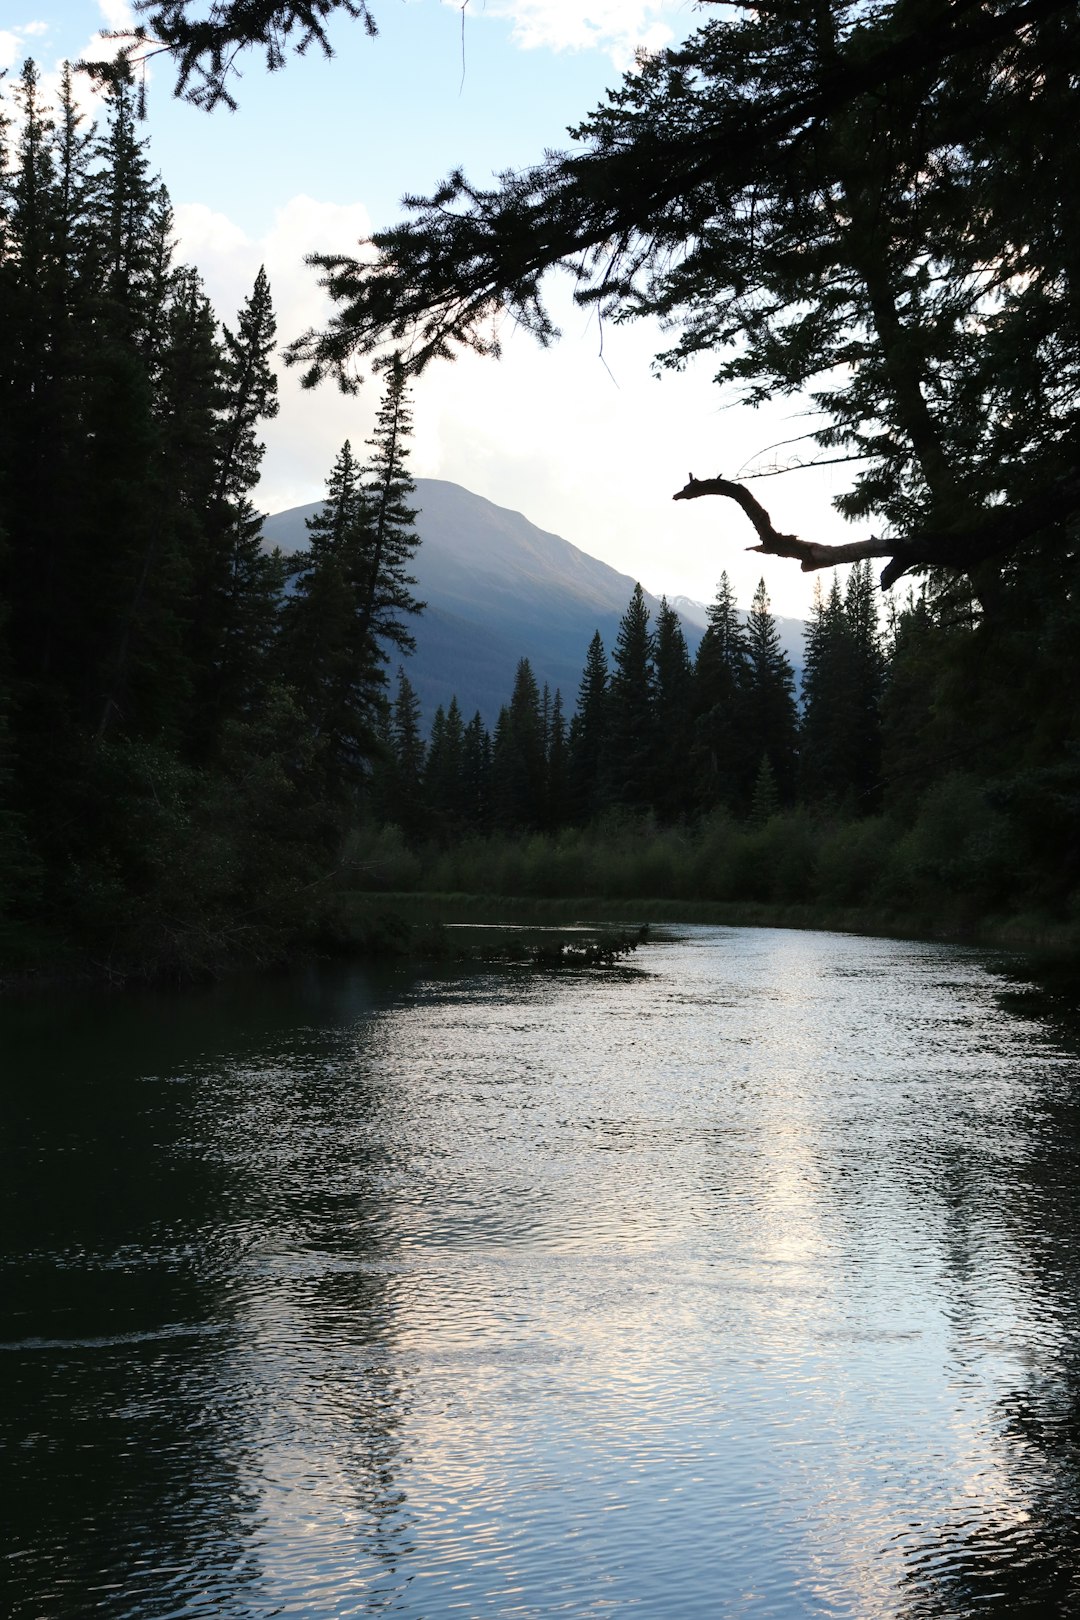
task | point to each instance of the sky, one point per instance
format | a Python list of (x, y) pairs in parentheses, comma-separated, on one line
[(581, 437)]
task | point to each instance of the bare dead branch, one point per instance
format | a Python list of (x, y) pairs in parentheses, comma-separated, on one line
[(810, 554), (988, 533)]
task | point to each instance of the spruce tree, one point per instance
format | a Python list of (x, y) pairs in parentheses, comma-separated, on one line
[(557, 793), (326, 656), (674, 717), (389, 539), (237, 587), (840, 731), (632, 732), (444, 774), (721, 753), (769, 712), (518, 761), (588, 739), (476, 775)]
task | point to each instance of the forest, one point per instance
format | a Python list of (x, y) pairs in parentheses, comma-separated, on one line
[(201, 751), (893, 788), (186, 724)]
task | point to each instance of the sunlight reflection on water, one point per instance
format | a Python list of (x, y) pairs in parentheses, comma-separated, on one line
[(745, 1286)]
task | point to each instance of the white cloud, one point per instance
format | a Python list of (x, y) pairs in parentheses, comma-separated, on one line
[(587, 447), (117, 14), (13, 42), (617, 26)]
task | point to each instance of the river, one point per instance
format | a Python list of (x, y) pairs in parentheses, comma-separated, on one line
[(737, 1282)]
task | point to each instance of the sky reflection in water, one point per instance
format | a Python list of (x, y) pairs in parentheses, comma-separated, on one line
[(743, 1287)]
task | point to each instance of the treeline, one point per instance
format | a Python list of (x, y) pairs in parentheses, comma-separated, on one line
[(655, 731), (930, 769), (185, 727)]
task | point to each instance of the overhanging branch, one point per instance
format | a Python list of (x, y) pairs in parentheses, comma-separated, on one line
[(994, 532)]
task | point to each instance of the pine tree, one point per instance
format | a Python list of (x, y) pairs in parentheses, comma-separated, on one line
[(444, 775), (868, 680), (408, 743), (557, 794), (765, 798), (476, 775), (769, 712), (721, 754), (840, 732), (326, 655), (518, 761), (588, 740), (632, 734), (237, 587), (674, 718), (127, 202), (385, 586)]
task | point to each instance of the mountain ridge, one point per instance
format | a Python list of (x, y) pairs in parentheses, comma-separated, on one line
[(498, 588)]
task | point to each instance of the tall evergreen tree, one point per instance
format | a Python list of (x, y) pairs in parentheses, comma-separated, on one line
[(518, 759), (840, 732), (674, 717), (476, 775), (385, 586), (444, 775), (632, 733), (237, 587), (557, 793), (769, 710), (721, 752), (326, 654), (588, 740)]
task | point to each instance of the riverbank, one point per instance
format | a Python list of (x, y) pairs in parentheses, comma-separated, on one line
[(393, 919), (543, 930)]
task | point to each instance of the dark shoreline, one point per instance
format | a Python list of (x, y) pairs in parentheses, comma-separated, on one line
[(405, 927)]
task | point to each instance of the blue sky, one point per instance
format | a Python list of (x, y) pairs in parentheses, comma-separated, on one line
[(591, 448)]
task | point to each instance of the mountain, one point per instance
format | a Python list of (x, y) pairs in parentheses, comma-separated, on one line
[(498, 589)]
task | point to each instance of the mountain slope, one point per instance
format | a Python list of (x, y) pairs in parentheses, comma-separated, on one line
[(498, 589)]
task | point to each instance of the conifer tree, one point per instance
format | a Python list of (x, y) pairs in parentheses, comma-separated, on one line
[(720, 750), (868, 679), (408, 743), (674, 718), (444, 775), (476, 775), (632, 733), (518, 760), (840, 732), (326, 655), (769, 711), (237, 587), (558, 766), (765, 798), (385, 586), (588, 740)]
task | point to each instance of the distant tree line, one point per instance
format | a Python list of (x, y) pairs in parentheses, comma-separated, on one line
[(657, 731), (930, 766)]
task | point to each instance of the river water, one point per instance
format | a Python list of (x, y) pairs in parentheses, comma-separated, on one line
[(742, 1282)]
